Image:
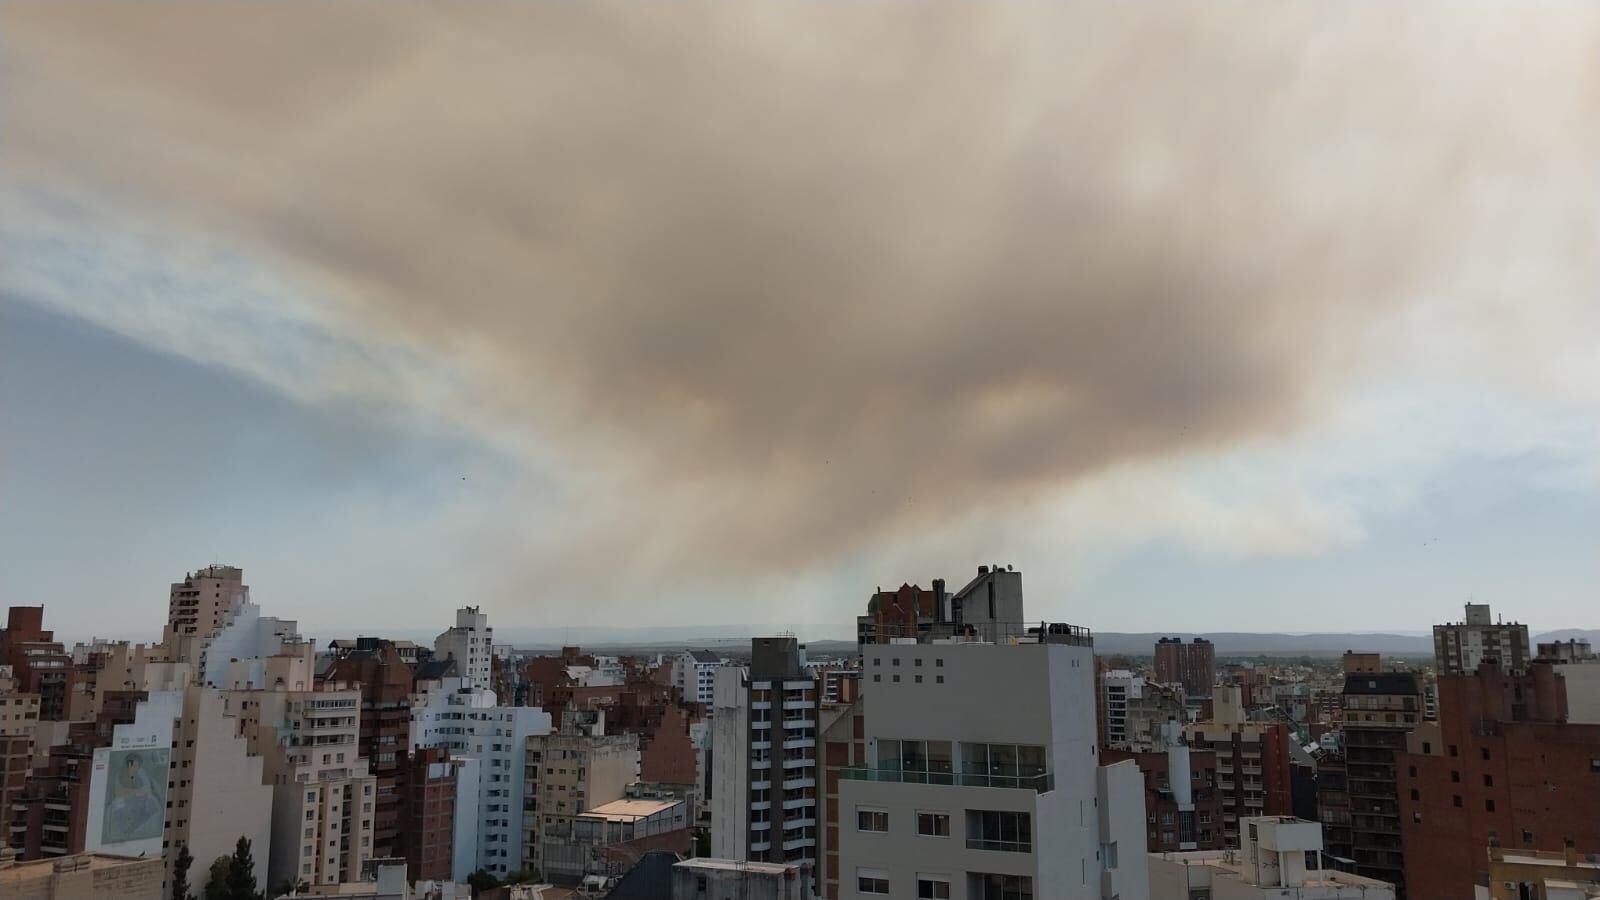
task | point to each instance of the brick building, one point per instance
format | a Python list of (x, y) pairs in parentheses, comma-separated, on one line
[(385, 681), (1193, 665), (1380, 709), (1252, 761), (1167, 827)]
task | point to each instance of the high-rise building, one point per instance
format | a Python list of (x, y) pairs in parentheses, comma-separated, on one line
[(982, 777), (764, 756), (694, 674), (1460, 647), (1193, 665), (1183, 809), (1253, 775), (39, 664), (470, 642), (385, 682), (569, 774), (1380, 709)]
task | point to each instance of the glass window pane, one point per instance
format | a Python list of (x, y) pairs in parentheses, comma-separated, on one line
[(1003, 759), (938, 756), (889, 755)]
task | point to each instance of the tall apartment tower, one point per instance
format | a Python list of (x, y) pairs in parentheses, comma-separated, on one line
[(1253, 774), (1380, 710), (1193, 665), (199, 604), (982, 778), (1460, 647), (764, 756), (471, 644)]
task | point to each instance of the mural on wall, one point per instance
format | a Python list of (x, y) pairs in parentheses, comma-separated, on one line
[(136, 795)]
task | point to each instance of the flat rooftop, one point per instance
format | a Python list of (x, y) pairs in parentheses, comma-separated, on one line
[(629, 810), (1225, 863), (38, 868), (733, 865)]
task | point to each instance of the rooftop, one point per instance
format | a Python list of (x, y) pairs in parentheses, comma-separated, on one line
[(37, 868), (735, 865), (629, 810), (1226, 863)]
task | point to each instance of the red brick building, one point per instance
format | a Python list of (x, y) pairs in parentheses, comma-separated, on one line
[(386, 683), (427, 812), (844, 745), (1500, 766), (1193, 665), (1166, 825), (38, 662)]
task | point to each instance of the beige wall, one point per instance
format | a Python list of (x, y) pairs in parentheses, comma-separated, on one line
[(83, 877)]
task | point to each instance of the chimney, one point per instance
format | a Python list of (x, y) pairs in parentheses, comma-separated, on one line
[(983, 570)]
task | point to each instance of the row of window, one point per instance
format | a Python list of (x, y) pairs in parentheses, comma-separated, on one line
[(1001, 830), (980, 885)]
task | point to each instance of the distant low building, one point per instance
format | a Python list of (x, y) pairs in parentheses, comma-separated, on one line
[(719, 879), (1279, 856), (83, 876)]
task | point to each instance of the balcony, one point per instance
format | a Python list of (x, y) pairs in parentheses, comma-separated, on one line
[(1039, 784)]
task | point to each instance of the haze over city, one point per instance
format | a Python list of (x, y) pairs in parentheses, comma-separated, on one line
[(1252, 319)]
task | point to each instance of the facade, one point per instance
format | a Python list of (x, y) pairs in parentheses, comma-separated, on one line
[(428, 812), (1278, 857), (609, 838), (1193, 665), (82, 876), (965, 797), (491, 741), (1518, 874), (1117, 687), (1502, 767), (568, 774), (989, 607), (1380, 709), (764, 757), (470, 642), (38, 664), (694, 675), (1183, 810), (1252, 758), (385, 682), (1460, 647)]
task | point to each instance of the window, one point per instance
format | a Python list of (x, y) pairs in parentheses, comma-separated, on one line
[(1454, 751), (1484, 752), (1313, 861), (985, 886), (1412, 771), (1488, 806), (877, 677), (938, 662), (1005, 831), (1415, 794), (1455, 776), (938, 679), (917, 662), (919, 762), (1488, 781), (897, 677), (933, 824), (1002, 765), (872, 881), (1456, 801), (1427, 749), (871, 819), (932, 887)]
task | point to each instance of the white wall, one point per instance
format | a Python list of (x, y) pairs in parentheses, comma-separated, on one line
[(730, 765)]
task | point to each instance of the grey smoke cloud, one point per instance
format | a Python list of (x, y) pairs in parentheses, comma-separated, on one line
[(771, 281)]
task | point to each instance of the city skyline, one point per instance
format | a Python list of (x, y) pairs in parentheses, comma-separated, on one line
[(409, 312)]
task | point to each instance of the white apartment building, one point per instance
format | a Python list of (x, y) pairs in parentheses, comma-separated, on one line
[(470, 643), (694, 673), (1278, 856), (982, 779), (492, 740), (764, 757), (1117, 687)]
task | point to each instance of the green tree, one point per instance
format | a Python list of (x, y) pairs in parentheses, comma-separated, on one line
[(180, 873), (481, 881), (217, 883), (242, 873)]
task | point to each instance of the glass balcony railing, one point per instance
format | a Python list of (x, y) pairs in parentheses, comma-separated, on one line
[(1039, 783)]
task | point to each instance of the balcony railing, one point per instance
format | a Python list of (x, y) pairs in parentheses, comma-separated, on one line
[(1040, 784)]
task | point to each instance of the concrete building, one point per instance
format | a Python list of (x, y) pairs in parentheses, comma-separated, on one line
[(609, 839), (491, 742), (965, 797), (569, 774), (988, 608), (1279, 857), (708, 878), (1117, 687), (1380, 709), (470, 642), (83, 876), (1460, 647), (386, 682), (1522, 874), (764, 757), (694, 675), (1193, 665), (1253, 775)]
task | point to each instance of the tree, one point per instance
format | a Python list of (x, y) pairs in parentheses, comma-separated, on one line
[(180, 873), (217, 883), (242, 873), (481, 881)]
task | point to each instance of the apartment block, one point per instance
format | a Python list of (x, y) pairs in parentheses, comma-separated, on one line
[(1380, 709), (1252, 759), (694, 675), (1183, 809), (38, 664), (1192, 664), (385, 681), (470, 642), (569, 774), (764, 756), (961, 796), (1459, 648)]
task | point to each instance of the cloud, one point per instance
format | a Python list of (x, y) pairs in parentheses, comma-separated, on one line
[(768, 284)]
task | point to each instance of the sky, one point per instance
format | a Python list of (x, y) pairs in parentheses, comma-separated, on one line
[(1220, 318)]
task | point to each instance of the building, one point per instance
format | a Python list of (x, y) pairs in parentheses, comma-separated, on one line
[(569, 774), (427, 811), (843, 732), (1459, 648), (82, 876), (1520, 874), (707, 878), (694, 675), (1502, 767), (385, 681), (1252, 758), (471, 644), (490, 741), (1279, 856), (1193, 665), (764, 757), (961, 796), (990, 607), (1183, 809), (1117, 687), (1380, 709), (38, 664), (610, 838)]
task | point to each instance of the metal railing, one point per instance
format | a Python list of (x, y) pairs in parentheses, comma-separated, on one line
[(1040, 783), (982, 632)]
